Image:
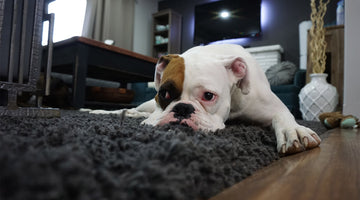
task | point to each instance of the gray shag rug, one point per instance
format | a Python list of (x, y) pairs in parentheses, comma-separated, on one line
[(88, 156)]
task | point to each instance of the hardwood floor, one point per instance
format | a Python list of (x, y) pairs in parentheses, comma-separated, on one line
[(331, 171)]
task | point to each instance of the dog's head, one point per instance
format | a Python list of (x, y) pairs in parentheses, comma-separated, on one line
[(195, 89)]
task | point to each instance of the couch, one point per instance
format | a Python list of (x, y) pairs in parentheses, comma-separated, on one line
[(288, 93)]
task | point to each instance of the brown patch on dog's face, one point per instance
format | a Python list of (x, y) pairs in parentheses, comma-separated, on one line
[(172, 80)]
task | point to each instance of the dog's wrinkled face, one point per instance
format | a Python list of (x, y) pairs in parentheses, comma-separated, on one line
[(194, 90)]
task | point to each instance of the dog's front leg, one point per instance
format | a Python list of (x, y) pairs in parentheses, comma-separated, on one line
[(292, 137), (143, 110)]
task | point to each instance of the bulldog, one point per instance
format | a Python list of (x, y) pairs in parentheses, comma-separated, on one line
[(207, 85)]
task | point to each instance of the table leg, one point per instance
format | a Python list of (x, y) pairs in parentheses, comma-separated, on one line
[(79, 78)]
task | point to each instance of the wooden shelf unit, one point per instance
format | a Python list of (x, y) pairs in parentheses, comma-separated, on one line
[(166, 33)]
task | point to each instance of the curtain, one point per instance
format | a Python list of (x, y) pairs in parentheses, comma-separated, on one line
[(110, 19)]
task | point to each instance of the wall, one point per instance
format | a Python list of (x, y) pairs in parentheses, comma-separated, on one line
[(352, 59), (143, 26), (283, 20)]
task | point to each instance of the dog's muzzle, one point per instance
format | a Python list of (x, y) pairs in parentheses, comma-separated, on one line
[(183, 111)]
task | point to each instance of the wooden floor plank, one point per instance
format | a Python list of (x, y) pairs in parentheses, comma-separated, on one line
[(331, 171)]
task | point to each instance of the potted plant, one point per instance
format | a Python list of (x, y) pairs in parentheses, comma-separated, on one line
[(318, 95)]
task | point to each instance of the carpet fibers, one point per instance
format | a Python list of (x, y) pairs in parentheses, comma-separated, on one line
[(88, 156)]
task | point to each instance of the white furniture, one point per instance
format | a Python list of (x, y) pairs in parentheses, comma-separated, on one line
[(266, 56), (304, 27)]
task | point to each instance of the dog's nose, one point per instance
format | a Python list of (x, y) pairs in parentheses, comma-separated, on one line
[(183, 110)]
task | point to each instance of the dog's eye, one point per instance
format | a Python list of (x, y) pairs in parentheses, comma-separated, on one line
[(208, 96), (164, 94)]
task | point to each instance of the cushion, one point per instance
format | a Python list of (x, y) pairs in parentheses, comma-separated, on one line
[(281, 73)]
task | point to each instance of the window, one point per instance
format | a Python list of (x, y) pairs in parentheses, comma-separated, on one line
[(69, 19)]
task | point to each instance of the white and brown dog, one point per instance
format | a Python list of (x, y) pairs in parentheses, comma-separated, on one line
[(207, 85)]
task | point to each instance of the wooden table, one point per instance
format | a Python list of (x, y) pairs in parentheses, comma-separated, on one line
[(86, 58)]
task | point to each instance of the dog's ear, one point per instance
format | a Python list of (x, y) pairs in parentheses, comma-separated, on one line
[(238, 71), (160, 67)]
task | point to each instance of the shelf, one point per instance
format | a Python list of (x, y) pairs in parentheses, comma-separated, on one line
[(162, 45), (164, 33), (172, 32)]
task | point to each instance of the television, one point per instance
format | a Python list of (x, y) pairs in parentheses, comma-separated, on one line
[(227, 19)]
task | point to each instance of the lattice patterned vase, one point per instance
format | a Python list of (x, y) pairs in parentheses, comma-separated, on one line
[(317, 97)]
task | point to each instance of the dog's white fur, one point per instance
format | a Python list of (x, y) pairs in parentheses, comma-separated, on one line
[(242, 92)]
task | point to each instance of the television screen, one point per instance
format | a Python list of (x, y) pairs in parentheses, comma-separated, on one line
[(227, 19)]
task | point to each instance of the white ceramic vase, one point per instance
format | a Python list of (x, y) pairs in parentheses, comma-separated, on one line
[(317, 96)]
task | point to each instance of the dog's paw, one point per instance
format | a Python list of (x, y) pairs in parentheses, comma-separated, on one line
[(295, 139), (85, 110), (136, 114), (116, 112), (133, 112)]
